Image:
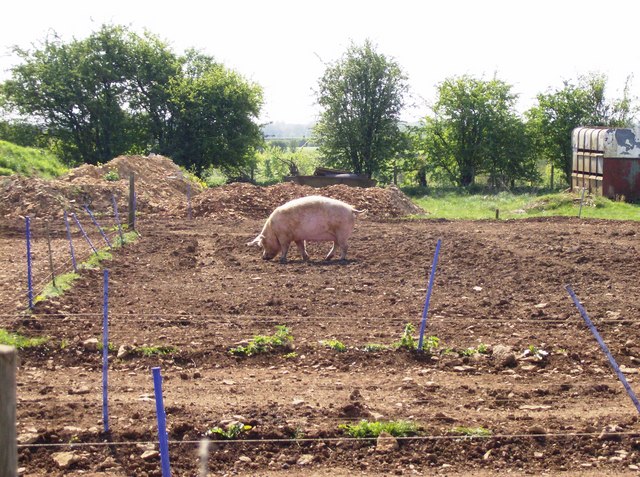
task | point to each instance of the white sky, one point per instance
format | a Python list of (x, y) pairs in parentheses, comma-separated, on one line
[(282, 44)]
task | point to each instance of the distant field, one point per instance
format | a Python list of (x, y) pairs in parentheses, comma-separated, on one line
[(455, 205)]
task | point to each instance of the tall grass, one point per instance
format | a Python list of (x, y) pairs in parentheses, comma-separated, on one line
[(29, 161), (477, 206)]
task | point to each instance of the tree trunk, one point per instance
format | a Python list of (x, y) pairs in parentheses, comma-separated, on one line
[(422, 176)]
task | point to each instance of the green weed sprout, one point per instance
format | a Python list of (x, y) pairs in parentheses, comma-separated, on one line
[(374, 347), (111, 176), (366, 429), (334, 345), (481, 349), (471, 431), (407, 341), (266, 344), (232, 431), (535, 352)]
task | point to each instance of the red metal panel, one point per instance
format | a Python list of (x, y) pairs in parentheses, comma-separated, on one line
[(621, 178)]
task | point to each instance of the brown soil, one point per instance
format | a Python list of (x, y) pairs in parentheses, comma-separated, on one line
[(196, 286)]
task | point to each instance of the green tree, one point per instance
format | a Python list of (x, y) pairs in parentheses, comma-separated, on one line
[(22, 133), (474, 129), (213, 113), (558, 112), (80, 92), (362, 96), (117, 92)]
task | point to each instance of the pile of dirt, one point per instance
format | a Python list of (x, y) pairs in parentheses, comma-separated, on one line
[(160, 186), (241, 200), (162, 189)]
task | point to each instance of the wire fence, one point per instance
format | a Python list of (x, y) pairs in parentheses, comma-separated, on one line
[(217, 323), (293, 440)]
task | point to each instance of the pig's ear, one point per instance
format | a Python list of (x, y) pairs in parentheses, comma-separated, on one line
[(256, 241)]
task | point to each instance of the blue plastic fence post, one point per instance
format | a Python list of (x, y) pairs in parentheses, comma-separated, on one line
[(188, 200), (105, 352), (73, 255), (434, 265), (29, 280), (95, 222), (115, 212), (604, 347), (84, 234), (135, 209), (162, 423)]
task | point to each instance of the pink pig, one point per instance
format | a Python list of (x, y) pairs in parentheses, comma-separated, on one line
[(314, 219)]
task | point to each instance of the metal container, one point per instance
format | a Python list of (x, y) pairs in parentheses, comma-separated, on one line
[(587, 161), (606, 161), (622, 164)]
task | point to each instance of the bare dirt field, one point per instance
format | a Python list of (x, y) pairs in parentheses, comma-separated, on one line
[(194, 285)]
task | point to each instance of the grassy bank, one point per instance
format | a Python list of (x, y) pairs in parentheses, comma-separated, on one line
[(28, 161)]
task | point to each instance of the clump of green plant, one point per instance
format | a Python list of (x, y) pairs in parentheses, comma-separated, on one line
[(64, 282), (334, 345), (471, 431), (407, 340), (291, 355), (94, 261), (430, 344), (365, 429), (149, 351), (127, 237), (18, 341), (111, 176), (480, 349), (110, 346), (265, 344), (374, 347), (230, 431)]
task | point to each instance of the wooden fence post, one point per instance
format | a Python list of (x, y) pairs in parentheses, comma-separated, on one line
[(8, 443)]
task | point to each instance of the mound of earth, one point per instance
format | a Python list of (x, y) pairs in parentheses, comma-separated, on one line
[(241, 200), (162, 189), (160, 185)]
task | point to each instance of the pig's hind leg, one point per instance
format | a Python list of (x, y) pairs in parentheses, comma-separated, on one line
[(303, 249)]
